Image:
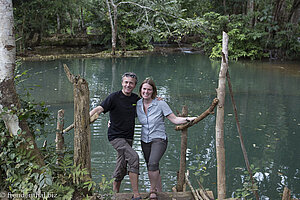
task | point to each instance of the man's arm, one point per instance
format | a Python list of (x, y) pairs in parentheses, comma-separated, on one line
[(98, 110)]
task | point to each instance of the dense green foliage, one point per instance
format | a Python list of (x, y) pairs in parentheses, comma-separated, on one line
[(20, 174), (21, 177), (266, 29)]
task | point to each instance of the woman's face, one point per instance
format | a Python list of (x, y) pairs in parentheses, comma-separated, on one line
[(147, 91)]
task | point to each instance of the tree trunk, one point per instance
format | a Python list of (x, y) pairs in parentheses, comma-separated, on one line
[(82, 23), (58, 31), (82, 131), (220, 148), (250, 10), (294, 13), (181, 175), (8, 95), (250, 6), (113, 23), (279, 13), (71, 24), (115, 31)]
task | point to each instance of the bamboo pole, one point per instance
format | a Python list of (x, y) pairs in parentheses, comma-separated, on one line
[(241, 136), (181, 175), (59, 140), (220, 148)]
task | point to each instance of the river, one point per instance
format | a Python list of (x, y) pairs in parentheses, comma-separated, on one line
[(267, 95)]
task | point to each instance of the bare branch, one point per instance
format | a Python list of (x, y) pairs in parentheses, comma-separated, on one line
[(200, 117), (149, 8), (136, 4)]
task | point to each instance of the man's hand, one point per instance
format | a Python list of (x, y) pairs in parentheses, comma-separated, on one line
[(160, 98)]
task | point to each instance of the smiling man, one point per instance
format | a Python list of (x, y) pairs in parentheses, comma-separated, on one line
[(122, 112)]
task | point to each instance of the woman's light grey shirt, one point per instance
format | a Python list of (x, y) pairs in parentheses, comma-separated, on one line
[(153, 125)]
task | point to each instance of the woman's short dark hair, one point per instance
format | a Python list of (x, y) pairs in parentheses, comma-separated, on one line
[(150, 82)]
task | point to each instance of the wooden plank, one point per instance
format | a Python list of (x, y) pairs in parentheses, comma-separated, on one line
[(161, 195), (220, 147)]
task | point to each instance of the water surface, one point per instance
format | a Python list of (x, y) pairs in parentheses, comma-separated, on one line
[(267, 97)]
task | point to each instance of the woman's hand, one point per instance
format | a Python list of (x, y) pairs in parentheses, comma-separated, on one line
[(188, 119)]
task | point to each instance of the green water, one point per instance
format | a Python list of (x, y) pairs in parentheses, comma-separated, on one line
[(267, 97)]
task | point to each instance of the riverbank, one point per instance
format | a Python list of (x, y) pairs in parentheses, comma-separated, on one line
[(88, 46), (53, 53)]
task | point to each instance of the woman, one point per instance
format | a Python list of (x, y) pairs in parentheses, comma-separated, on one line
[(151, 114)]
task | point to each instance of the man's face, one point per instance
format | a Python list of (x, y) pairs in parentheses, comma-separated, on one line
[(128, 84)]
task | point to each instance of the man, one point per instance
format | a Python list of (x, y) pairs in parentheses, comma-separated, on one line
[(122, 112)]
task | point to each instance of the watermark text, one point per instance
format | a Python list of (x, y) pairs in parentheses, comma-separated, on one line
[(10, 195)]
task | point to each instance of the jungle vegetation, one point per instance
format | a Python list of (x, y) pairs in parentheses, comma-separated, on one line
[(257, 28)]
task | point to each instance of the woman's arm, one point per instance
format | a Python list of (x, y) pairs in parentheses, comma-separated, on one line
[(179, 120)]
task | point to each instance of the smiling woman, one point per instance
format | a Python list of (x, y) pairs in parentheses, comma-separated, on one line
[(151, 113)]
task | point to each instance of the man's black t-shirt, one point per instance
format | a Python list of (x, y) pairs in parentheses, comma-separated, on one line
[(122, 113)]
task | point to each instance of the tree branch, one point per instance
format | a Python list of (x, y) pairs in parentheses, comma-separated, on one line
[(70, 76), (92, 119), (200, 117)]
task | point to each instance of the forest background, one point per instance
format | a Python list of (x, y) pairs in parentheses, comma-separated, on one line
[(257, 28)]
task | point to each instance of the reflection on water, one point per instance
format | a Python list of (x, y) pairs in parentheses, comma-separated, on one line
[(267, 97)]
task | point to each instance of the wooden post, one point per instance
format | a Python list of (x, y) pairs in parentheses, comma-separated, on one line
[(181, 175), (82, 131), (59, 140), (220, 148), (286, 194)]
